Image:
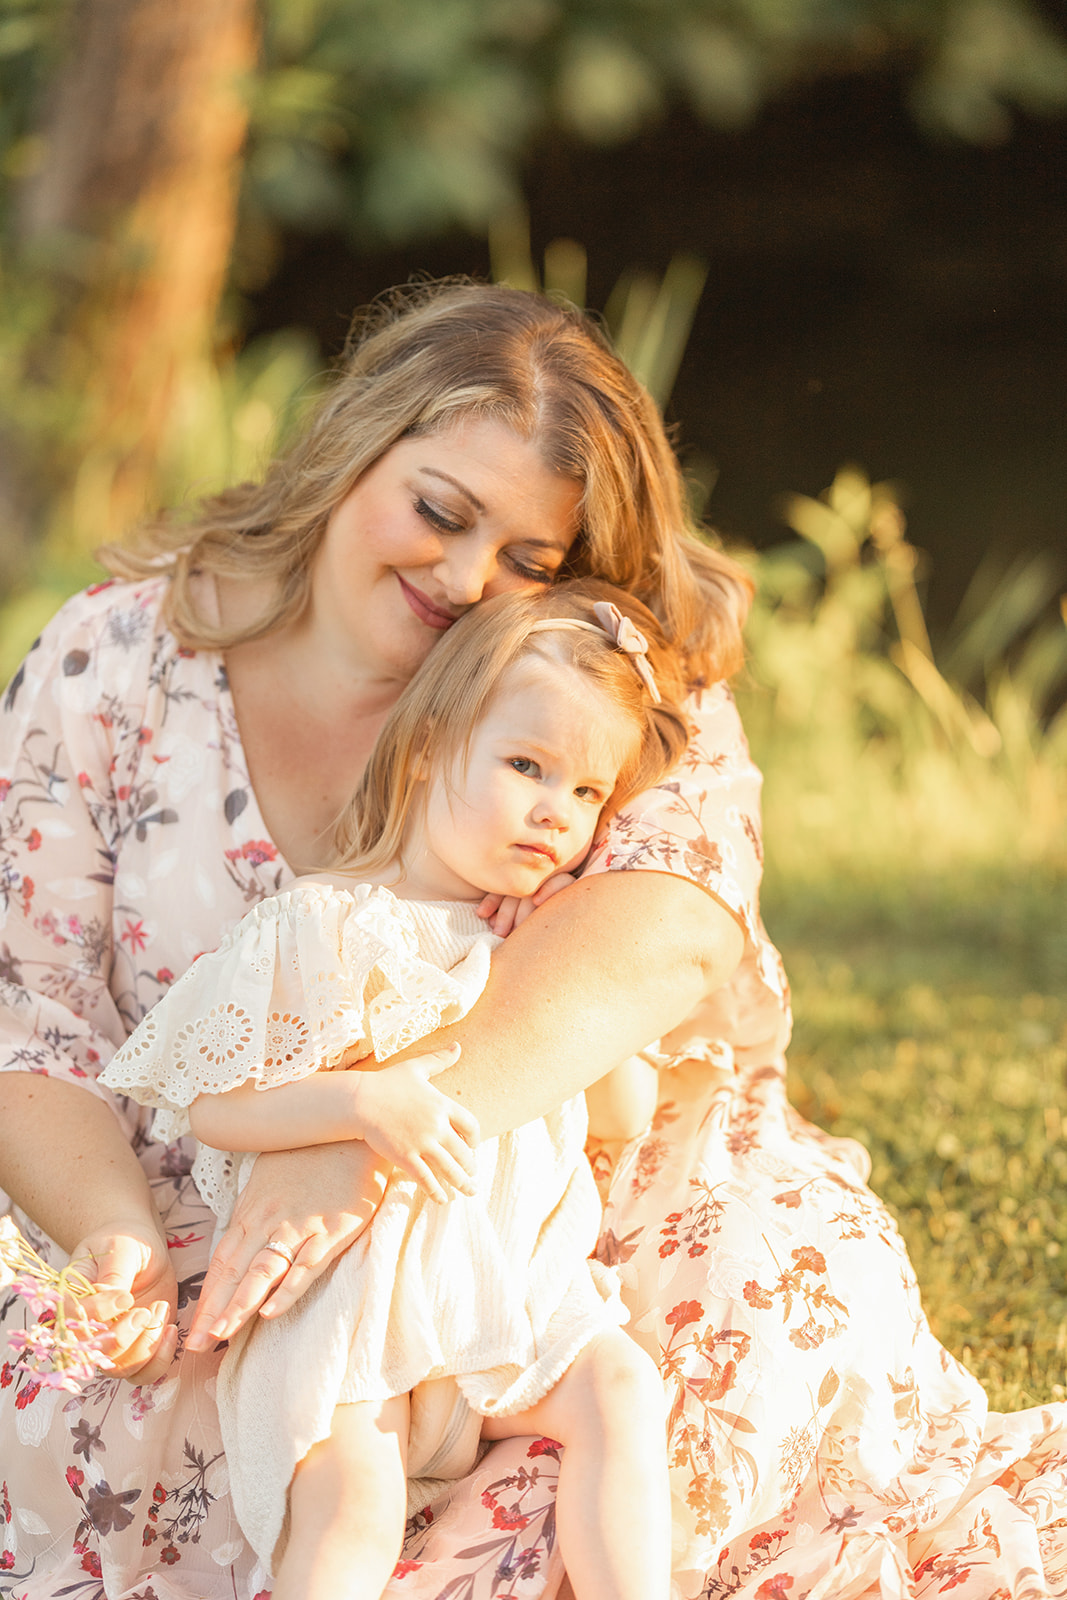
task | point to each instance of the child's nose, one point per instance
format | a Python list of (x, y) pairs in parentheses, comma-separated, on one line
[(552, 810)]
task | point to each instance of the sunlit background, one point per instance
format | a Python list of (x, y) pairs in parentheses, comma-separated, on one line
[(831, 235)]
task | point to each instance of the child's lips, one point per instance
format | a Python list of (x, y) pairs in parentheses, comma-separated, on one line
[(433, 616), (541, 851)]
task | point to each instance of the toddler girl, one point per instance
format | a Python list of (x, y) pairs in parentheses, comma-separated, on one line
[(478, 1318)]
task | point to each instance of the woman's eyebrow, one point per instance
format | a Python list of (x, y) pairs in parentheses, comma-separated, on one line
[(446, 477), (433, 472)]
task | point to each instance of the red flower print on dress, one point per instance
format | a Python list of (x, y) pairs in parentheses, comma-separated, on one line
[(808, 1259), (755, 1296), (685, 1312), (91, 1563), (134, 934), (27, 1396), (170, 1554), (75, 1477), (258, 851), (7, 1561), (34, 840), (402, 1568), (545, 1447), (513, 1520), (776, 1588)]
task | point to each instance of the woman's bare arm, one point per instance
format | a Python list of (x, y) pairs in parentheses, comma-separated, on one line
[(66, 1161), (68, 1164), (600, 971)]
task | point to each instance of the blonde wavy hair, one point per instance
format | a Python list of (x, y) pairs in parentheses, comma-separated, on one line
[(429, 730), (422, 360)]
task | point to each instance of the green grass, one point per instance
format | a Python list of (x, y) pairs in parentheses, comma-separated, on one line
[(931, 1024)]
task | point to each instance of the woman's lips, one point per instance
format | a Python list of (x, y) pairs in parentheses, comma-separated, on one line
[(424, 609)]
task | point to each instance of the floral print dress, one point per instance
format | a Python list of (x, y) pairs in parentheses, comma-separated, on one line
[(822, 1443)]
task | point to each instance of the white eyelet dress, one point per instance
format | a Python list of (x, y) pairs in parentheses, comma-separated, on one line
[(478, 1306)]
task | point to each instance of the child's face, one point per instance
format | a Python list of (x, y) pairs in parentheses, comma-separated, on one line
[(542, 764)]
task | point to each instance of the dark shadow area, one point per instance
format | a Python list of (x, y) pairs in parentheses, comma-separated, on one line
[(872, 296)]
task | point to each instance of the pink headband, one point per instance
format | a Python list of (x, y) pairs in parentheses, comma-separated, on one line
[(624, 635)]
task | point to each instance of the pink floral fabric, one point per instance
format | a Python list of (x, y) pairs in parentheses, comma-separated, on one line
[(821, 1442)]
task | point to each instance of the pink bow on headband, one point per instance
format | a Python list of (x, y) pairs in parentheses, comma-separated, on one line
[(630, 640)]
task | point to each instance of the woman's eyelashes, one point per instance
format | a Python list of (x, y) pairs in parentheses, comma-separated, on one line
[(436, 518), (532, 572)]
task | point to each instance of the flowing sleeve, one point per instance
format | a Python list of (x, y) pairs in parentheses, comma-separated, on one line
[(305, 977), (703, 823), (62, 761)]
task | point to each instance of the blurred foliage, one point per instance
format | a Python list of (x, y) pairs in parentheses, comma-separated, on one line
[(878, 754), (394, 119)]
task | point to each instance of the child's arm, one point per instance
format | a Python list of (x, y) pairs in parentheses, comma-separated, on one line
[(622, 1103), (396, 1110)]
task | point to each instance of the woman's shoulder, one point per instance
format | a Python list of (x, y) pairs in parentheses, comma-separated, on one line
[(99, 635), (100, 605)]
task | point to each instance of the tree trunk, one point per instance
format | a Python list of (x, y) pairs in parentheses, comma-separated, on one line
[(133, 215)]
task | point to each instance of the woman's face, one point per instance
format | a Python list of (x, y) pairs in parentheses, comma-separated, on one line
[(438, 523)]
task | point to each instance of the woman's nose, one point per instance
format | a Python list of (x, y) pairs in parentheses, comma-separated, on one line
[(465, 570)]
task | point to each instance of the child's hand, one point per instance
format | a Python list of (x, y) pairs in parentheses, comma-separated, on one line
[(400, 1114), (504, 913)]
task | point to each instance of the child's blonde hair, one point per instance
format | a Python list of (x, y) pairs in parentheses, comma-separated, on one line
[(431, 726)]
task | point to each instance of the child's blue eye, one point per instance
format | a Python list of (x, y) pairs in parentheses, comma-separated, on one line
[(523, 765)]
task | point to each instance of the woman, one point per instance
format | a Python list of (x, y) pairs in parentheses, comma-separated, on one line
[(822, 1442)]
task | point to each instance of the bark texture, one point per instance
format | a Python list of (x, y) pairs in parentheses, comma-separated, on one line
[(133, 210)]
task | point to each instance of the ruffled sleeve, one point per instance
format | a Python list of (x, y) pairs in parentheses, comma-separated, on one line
[(305, 977)]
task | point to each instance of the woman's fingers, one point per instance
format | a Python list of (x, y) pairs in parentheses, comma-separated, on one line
[(234, 1288), (142, 1343), (314, 1256)]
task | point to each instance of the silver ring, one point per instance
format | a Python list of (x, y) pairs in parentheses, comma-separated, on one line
[(282, 1250)]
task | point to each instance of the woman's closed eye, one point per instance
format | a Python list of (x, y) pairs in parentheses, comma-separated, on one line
[(533, 572), (437, 518), (442, 522)]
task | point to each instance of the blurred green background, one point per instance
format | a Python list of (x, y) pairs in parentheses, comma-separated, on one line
[(831, 235)]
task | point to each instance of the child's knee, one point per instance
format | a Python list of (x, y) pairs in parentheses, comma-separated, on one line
[(622, 1379)]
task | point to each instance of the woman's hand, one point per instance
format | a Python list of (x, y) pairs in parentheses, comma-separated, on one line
[(136, 1292), (347, 1182)]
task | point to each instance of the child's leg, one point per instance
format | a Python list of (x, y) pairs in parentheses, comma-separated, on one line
[(348, 1504), (613, 1503)]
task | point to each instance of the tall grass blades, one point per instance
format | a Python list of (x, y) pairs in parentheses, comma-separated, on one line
[(878, 755)]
